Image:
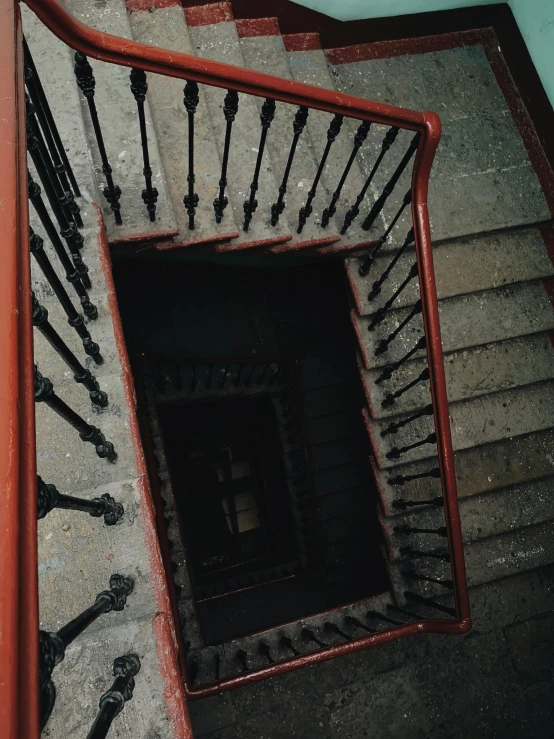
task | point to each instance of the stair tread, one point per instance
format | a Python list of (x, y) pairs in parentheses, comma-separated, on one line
[(117, 111), (220, 42), (502, 464), (467, 266), (467, 320), (166, 28), (474, 422), (469, 373)]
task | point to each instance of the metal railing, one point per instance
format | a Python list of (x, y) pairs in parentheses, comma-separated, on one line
[(29, 131)]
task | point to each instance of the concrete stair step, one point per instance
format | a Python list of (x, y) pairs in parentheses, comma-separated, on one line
[(117, 111), (220, 42), (488, 559), (474, 422), (166, 28), (312, 68), (466, 321), (267, 54), (482, 168), (469, 373), (505, 463), (467, 266)]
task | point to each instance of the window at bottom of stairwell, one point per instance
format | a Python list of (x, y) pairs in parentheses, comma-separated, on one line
[(240, 508)]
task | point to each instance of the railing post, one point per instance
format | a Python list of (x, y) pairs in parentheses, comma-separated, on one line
[(112, 702)]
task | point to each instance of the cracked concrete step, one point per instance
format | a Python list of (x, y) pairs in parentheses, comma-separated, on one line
[(469, 373), (312, 68), (220, 42), (493, 513), (474, 422), (488, 559), (466, 321), (505, 463), (267, 54), (166, 28), (462, 267), (117, 111), (481, 179)]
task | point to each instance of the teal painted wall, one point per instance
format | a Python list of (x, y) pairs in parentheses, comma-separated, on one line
[(534, 17)]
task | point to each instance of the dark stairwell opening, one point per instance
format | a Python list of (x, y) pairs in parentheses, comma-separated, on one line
[(245, 358)]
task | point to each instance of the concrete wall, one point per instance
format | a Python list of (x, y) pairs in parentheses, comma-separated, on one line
[(534, 17)]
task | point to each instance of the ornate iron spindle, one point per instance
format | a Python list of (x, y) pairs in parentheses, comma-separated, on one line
[(72, 273), (44, 392), (224, 378), (391, 184), (265, 650), (394, 427), (299, 122), (388, 372), (308, 635), (334, 629), (48, 498), (429, 602), (139, 88), (416, 577), (403, 505), (113, 701), (217, 665), (74, 319), (306, 211), (242, 658), (52, 645), (68, 229), (385, 343), (353, 212), (87, 84), (408, 530), (353, 621), (381, 312), (376, 287), (365, 267), (402, 479), (396, 451), (286, 642), (403, 612), (390, 399), (80, 374), (359, 138), (230, 108), (266, 117), (42, 103), (416, 554), (55, 163), (191, 99), (381, 617)]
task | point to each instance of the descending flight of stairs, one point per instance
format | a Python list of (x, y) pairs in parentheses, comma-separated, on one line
[(493, 258)]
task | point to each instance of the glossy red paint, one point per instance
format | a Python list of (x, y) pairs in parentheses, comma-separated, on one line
[(228, 248), (170, 245), (248, 27), (303, 245), (145, 237)]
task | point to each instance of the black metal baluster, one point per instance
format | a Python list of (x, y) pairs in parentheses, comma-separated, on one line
[(308, 635), (365, 267), (408, 530), (353, 621), (416, 554), (353, 212), (266, 117), (402, 479), (139, 88), (306, 211), (191, 99), (394, 427), (44, 392), (72, 274), (385, 343), (334, 629), (381, 617), (380, 313), (265, 651), (359, 138), (429, 602), (57, 166), (217, 666), (286, 642), (391, 184), (396, 451), (113, 701), (80, 374), (48, 498), (388, 372), (87, 84), (299, 122), (52, 645), (405, 504), (416, 577), (230, 108), (376, 287), (242, 658), (391, 398), (42, 103), (75, 320)]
